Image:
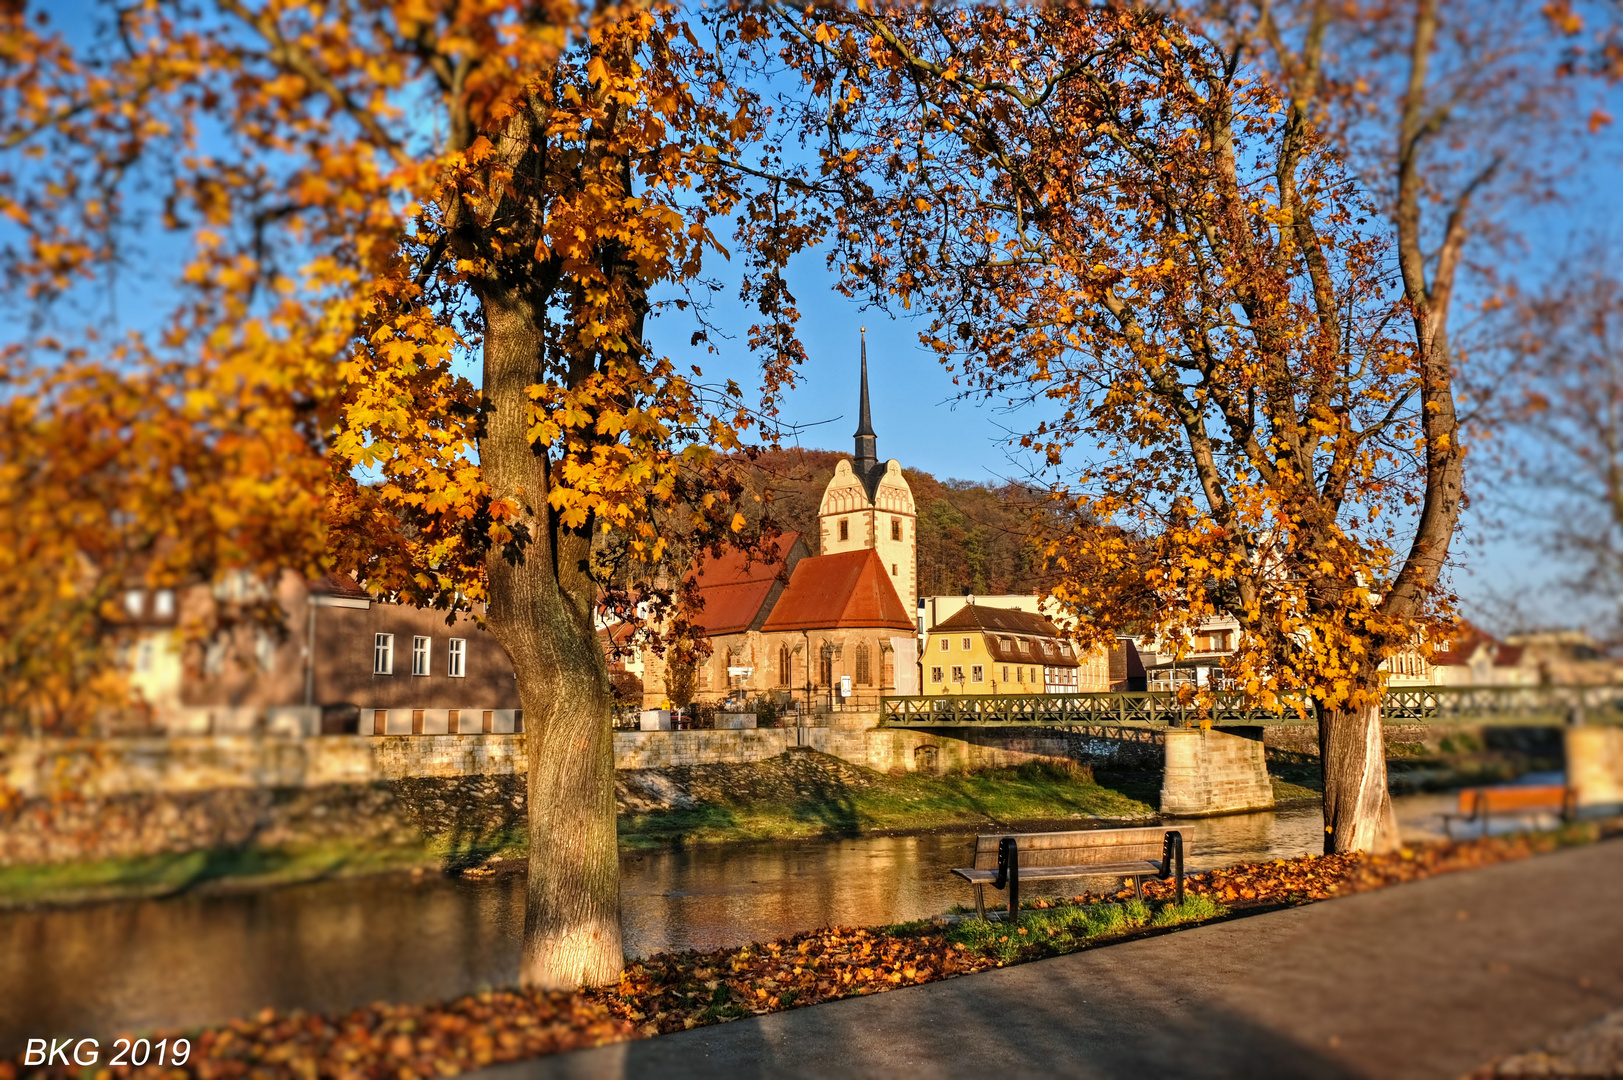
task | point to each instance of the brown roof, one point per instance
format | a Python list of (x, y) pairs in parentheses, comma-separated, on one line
[(1461, 648), (738, 591), (1007, 630), (331, 584), (850, 588)]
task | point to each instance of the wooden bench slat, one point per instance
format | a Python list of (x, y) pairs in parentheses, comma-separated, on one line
[(1145, 868), (1527, 797), (1074, 848)]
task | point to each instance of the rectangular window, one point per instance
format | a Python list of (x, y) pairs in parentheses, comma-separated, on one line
[(895, 528), (453, 721), (1005, 672), (845, 529), (420, 649), (1019, 674), (380, 721), (957, 674), (966, 645), (416, 721), (935, 674), (163, 603), (383, 654), (945, 644), (977, 674), (456, 658), (133, 601), (488, 722)]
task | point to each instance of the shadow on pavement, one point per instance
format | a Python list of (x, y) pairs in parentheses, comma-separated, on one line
[(986, 1030)]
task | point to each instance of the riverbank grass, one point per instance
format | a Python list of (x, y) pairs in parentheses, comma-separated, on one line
[(234, 868), (880, 803)]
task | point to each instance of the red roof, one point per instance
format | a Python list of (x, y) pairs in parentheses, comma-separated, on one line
[(1462, 645), (850, 588), (735, 593)]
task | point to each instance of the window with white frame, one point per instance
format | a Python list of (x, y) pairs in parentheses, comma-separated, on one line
[(383, 654), (134, 601), (935, 674), (456, 662), (163, 603), (421, 647)]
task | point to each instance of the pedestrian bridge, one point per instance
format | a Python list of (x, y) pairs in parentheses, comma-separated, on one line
[(1544, 706)]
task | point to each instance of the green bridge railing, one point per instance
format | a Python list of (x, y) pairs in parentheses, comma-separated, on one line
[(1527, 705)]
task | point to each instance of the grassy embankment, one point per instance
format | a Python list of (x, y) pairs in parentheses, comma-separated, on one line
[(819, 797), (799, 796)]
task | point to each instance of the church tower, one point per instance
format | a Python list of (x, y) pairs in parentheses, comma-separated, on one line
[(868, 504)]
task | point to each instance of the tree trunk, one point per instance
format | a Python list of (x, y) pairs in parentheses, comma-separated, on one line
[(541, 602), (1357, 808)]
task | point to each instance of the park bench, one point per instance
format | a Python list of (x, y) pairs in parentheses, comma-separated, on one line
[(1481, 803), (1007, 859)]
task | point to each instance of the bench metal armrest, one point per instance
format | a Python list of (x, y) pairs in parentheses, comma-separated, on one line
[(1172, 859)]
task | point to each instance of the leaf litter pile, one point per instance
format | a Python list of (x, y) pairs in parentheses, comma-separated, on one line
[(676, 991)]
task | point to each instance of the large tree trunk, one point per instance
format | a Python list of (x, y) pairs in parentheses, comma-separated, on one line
[(541, 601), (1357, 807)]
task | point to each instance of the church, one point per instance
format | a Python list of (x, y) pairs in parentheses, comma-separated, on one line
[(831, 630)]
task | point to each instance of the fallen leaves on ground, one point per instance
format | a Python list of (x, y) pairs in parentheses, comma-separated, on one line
[(676, 991)]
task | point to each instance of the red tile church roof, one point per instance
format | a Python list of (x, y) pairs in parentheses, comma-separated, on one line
[(734, 592), (848, 589)]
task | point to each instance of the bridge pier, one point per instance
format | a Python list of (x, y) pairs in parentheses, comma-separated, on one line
[(1215, 772), (1595, 767)]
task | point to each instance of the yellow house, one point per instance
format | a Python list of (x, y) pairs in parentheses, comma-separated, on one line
[(991, 650)]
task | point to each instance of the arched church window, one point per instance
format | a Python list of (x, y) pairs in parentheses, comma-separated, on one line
[(864, 671), (784, 662)]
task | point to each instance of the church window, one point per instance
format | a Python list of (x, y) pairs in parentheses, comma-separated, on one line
[(845, 529), (783, 665), (826, 675), (895, 528), (864, 671)]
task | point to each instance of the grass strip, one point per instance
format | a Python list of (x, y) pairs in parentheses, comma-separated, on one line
[(677, 991), (1038, 791)]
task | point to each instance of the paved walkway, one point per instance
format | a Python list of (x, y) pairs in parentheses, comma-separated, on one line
[(1432, 979)]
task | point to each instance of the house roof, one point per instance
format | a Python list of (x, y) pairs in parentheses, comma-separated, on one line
[(1013, 637), (737, 590), (330, 584), (1467, 639), (847, 589), (1008, 620)]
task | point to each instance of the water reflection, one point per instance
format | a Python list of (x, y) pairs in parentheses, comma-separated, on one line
[(191, 960)]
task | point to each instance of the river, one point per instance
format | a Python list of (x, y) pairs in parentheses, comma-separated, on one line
[(195, 959)]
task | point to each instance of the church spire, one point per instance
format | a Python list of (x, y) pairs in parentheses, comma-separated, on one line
[(867, 462)]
